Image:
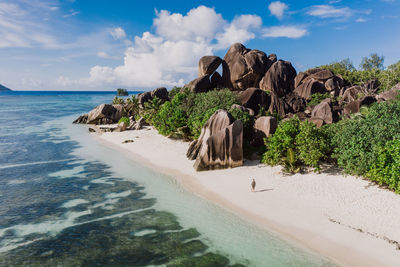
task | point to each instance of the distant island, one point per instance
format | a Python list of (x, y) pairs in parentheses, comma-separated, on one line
[(122, 92), (3, 88)]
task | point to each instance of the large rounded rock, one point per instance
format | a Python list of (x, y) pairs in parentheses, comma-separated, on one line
[(324, 112), (208, 65), (279, 79), (355, 106), (105, 114), (334, 84), (390, 94), (351, 94), (161, 93), (263, 127), (322, 75), (308, 88), (217, 81), (254, 98), (143, 98), (223, 149), (244, 67), (199, 85), (278, 106), (218, 121)]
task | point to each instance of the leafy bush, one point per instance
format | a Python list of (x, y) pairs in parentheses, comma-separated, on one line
[(125, 120), (171, 116), (247, 120), (312, 144), (296, 143), (174, 91), (122, 92), (151, 109), (201, 106), (118, 101), (386, 168), (280, 142), (317, 98), (356, 141)]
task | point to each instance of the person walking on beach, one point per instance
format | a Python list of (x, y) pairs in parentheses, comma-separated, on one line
[(253, 185)]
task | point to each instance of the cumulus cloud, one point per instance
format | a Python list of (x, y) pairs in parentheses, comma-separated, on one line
[(118, 33), (285, 31), (169, 56), (277, 9), (361, 20), (329, 11)]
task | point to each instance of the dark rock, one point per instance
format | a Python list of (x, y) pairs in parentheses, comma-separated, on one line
[(81, 119), (223, 149), (128, 141), (199, 85), (122, 126), (322, 75), (296, 102), (317, 121), (308, 88), (299, 79), (323, 111), (244, 67), (263, 127), (273, 58), (351, 94), (217, 81), (390, 94), (355, 106), (334, 84), (208, 65), (221, 119), (244, 109), (278, 106), (143, 98), (91, 130), (160, 93), (140, 124), (105, 114), (254, 98), (279, 79)]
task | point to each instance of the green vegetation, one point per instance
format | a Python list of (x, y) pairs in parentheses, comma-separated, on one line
[(372, 62), (124, 120), (317, 98), (386, 169), (122, 92), (118, 101), (356, 142), (296, 143)]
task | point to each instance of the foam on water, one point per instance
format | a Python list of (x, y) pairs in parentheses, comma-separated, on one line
[(74, 172), (119, 195), (74, 203)]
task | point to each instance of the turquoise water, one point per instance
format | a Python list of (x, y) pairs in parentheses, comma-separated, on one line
[(66, 200)]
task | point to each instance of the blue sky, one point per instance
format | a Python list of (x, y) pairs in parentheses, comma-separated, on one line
[(140, 45)]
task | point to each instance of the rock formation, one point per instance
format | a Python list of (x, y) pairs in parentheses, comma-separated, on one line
[(263, 127), (255, 98), (279, 78)]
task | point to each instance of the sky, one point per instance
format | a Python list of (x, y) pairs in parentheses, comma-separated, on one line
[(142, 45)]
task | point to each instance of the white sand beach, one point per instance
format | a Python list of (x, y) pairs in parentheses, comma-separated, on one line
[(346, 219)]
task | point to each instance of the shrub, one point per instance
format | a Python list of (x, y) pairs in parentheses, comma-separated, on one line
[(247, 120), (174, 91), (171, 116), (317, 98), (296, 143), (312, 144), (122, 92), (356, 141), (201, 106), (386, 168), (124, 120), (150, 110), (118, 101), (280, 142)]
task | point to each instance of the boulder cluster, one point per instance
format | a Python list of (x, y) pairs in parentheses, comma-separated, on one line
[(263, 83)]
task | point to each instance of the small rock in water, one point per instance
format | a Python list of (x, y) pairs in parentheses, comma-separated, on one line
[(127, 141)]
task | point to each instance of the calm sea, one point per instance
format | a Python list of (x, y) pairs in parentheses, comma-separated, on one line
[(66, 200)]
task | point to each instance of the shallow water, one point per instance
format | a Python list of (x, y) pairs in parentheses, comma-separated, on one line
[(66, 200)]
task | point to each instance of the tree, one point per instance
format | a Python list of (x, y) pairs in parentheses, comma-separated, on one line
[(372, 62)]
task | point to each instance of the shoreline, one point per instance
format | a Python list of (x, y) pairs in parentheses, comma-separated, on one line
[(343, 219)]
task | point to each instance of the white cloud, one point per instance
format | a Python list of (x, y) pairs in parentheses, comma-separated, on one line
[(277, 9), (118, 33), (361, 20), (169, 56), (285, 31), (329, 11)]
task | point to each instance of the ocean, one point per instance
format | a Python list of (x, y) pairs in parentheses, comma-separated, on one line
[(67, 200)]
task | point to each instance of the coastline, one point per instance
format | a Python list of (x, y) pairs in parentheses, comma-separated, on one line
[(344, 219)]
